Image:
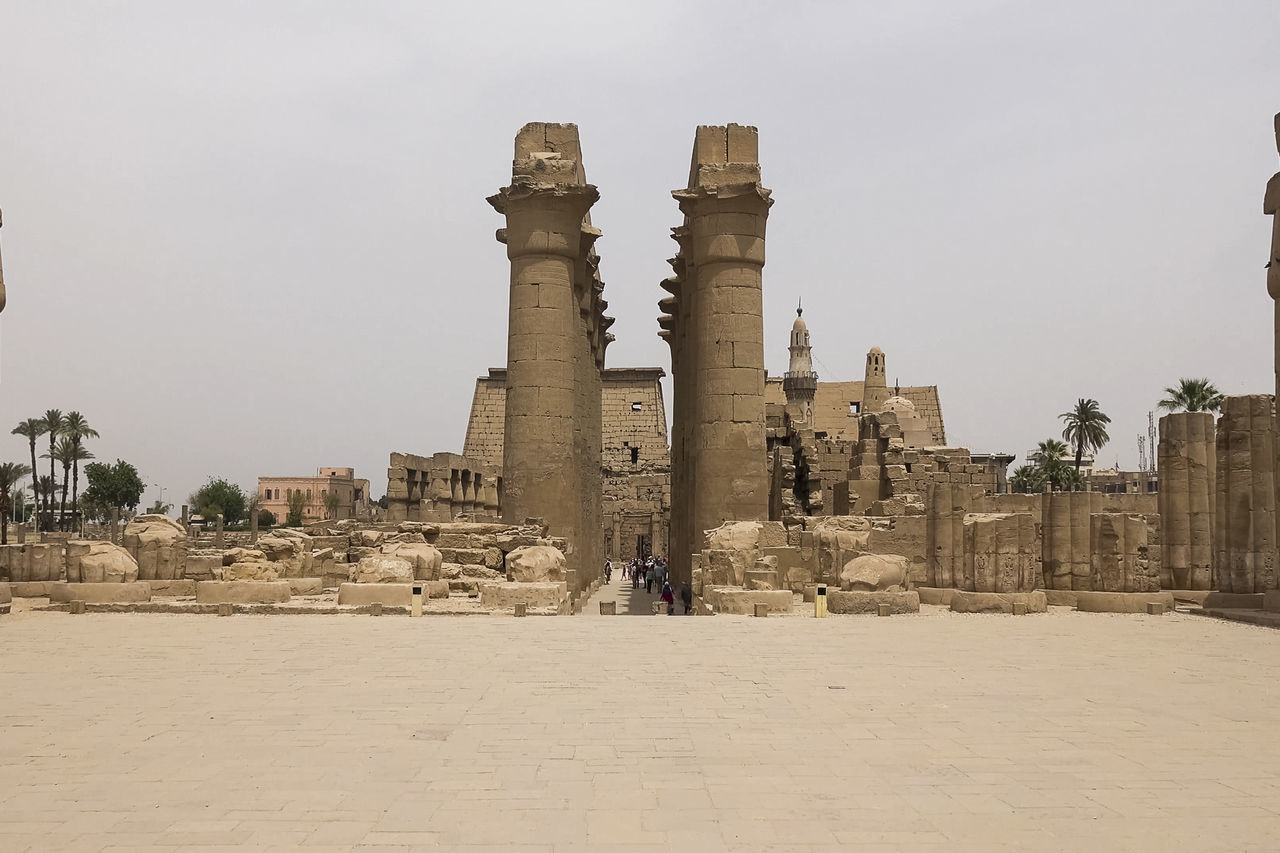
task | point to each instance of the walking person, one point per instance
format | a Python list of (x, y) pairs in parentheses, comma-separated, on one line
[(635, 576), (649, 578), (669, 598), (686, 597)]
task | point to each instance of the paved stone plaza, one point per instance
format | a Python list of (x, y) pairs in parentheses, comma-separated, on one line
[(938, 731)]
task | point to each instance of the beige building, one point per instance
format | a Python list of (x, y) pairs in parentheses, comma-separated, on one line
[(352, 495)]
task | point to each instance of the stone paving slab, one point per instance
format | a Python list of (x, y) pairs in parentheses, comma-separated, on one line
[(936, 731)]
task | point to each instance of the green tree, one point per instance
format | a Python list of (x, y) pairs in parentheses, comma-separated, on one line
[(1086, 427), (220, 496), (119, 486), (1192, 395), (67, 453), (158, 508), (54, 421), (31, 429), (1027, 479), (297, 502), (77, 428), (10, 474), (331, 500), (266, 518)]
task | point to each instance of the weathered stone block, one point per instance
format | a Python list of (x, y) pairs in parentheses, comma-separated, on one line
[(1121, 602), (861, 602), (743, 601), (390, 594), (242, 592), (100, 593), (996, 602)]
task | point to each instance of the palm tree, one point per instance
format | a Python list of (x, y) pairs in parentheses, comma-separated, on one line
[(1086, 426), (1027, 479), (77, 429), (48, 485), (1049, 450), (1192, 395), (54, 421), (67, 453), (31, 429), (10, 474)]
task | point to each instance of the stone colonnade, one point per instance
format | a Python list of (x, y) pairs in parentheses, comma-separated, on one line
[(557, 335), (1245, 528), (1118, 557), (441, 487), (713, 322), (1187, 463)]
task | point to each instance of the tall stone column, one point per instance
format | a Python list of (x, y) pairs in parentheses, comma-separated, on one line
[(1271, 207), (555, 346), (1245, 529), (2, 294), (721, 328), (1187, 462)]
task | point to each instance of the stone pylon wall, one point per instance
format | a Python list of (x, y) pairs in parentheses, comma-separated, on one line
[(1245, 528), (556, 339), (713, 321), (1187, 465)]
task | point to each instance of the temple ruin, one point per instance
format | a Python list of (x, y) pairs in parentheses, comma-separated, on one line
[(713, 322), (556, 339)]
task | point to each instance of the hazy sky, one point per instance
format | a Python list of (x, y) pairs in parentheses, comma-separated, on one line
[(251, 238)]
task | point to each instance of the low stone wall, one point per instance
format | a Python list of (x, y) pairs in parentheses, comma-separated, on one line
[(545, 596), (1122, 602), (743, 602), (242, 592), (868, 603), (997, 602), (100, 593), (387, 594)]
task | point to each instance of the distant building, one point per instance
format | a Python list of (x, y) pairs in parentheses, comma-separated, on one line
[(352, 495), (1114, 481)]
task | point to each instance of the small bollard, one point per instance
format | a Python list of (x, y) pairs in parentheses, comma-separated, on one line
[(225, 609), (762, 609), (522, 609), (415, 608), (820, 602), (657, 607), (375, 609), (1019, 608), (77, 608), (1155, 608), (608, 608), (884, 610)]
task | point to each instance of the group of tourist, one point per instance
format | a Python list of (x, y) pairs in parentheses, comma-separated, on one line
[(652, 571)]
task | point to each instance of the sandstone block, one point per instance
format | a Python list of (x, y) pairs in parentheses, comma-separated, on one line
[(305, 586), (382, 569), (1121, 602), (388, 594), (1233, 600), (158, 545), (113, 592), (242, 592), (861, 602), (875, 572), (425, 559), (743, 601), (172, 588), (536, 564), (99, 562), (996, 602), (544, 595)]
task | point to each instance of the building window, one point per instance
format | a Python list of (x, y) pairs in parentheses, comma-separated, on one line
[(635, 456), (854, 407), (288, 493), (636, 407)]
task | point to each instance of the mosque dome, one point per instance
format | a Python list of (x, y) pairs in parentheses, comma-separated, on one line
[(799, 325), (899, 406)]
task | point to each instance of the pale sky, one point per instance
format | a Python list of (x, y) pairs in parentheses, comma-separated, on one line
[(251, 238)]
